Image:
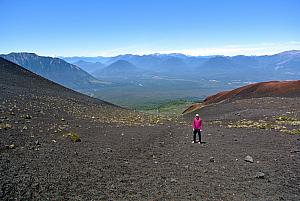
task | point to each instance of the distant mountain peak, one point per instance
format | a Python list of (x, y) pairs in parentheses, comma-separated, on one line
[(121, 65), (290, 52), (54, 69)]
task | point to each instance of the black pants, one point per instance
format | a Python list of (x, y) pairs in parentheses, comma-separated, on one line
[(199, 134)]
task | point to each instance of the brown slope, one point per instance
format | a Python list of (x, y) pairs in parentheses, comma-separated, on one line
[(258, 90)]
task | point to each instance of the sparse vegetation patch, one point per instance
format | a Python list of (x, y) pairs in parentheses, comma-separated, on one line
[(282, 123)]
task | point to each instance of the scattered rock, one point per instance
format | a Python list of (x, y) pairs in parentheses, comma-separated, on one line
[(108, 150), (11, 146), (211, 159), (249, 159), (5, 126), (27, 116), (37, 143), (173, 180), (260, 175), (295, 151)]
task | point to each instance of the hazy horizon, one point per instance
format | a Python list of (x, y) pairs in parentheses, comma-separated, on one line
[(156, 53)]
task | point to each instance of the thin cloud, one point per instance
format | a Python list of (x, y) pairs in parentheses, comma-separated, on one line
[(228, 50), (232, 50)]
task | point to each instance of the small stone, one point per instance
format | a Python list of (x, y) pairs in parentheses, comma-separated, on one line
[(173, 180), (211, 159), (5, 126), (295, 151), (27, 116), (62, 119), (11, 146), (249, 159), (260, 175), (54, 141), (37, 143)]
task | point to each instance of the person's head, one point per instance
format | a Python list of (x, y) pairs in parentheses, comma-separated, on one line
[(197, 116)]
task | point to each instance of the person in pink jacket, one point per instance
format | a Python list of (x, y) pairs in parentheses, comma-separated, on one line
[(197, 128)]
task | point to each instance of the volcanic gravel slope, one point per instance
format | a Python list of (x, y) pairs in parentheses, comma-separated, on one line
[(129, 156), (257, 90)]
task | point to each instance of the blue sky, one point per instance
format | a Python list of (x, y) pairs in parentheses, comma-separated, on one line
[(112, 27)]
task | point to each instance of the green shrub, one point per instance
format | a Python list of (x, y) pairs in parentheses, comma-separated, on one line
[(284, 118), (74, 137)]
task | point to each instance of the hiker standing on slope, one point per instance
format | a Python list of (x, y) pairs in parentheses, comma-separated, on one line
[(197, 128)]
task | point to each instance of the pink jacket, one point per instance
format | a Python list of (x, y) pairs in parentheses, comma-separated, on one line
[(198, 123)]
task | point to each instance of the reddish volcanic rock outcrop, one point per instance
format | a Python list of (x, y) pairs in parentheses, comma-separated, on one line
[(192, 108), (258, 90)]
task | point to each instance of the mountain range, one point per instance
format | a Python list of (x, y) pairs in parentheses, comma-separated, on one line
[(285, 65), (56, 70), (131, 79)]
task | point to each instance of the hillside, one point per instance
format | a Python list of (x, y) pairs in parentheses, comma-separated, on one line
[(55, 69), (258, 90)]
